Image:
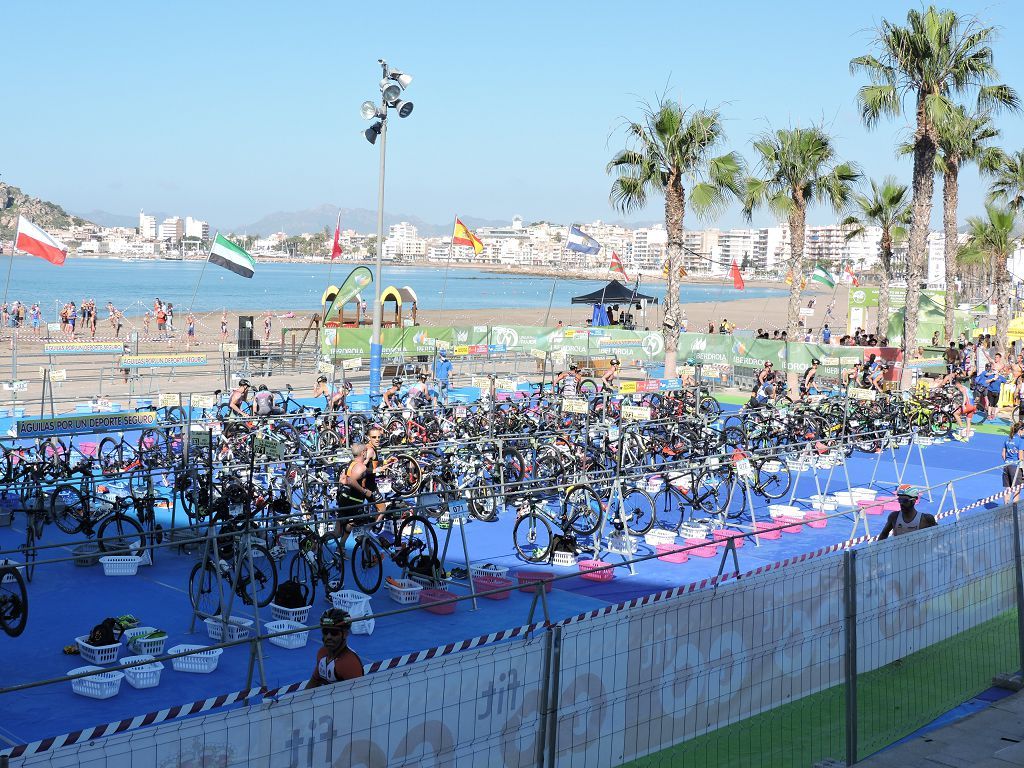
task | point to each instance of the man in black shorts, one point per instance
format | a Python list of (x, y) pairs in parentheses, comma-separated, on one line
[(357, 486), (1013, 459)]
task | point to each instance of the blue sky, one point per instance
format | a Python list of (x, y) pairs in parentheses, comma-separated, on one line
[(231, 110)]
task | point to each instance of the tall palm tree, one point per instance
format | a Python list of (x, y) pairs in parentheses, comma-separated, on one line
[(798, 168), (991, 238), (920, 68), (963, 138), (670, 147), (1008, 183), (888, 208)]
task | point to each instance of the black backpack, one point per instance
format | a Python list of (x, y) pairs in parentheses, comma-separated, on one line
[(425, 568), (291, 594), (107, 632)]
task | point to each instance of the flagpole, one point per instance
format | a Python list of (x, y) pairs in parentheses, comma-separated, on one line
[(202, 272), (554, 282), (10, 262), (444, 285), (330, 268)]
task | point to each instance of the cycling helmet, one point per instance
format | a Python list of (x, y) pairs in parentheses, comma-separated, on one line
[(910, 491), (573, 367), (334, 617), (243, 383), (690, 361), (815, 361), (615, 361), (321, 380), (347, 385), (397, 382), (421, 376), (262, 388)]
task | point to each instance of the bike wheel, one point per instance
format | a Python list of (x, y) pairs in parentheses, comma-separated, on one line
[(358, 427), (121, 534), (773, 478), (304, 565), (28, 551), (204, 589), (415, 536), (670, 505), (583, 508), (406, 474), (638, 511), (257, 583), (109, 455), (139, 483), (327, 442), (332, 562), (532, 538), (13, 602), (69, 509), (483, 501), (710, 492), (367, 564)]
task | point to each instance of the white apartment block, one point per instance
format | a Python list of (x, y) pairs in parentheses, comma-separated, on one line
[(403, 243), (196, 228), (147, 226), (771, 250), (649, 248), (171, 230)]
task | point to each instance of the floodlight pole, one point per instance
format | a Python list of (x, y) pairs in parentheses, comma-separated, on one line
[(375, 346)]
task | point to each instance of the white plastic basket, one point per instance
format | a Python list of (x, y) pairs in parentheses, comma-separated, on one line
[(657, 536), (137, 642), (103, 686), (785, 510), (654, 484), (238, 628), (563, 559), (495, 571), (863, 494), (291, 642), (404, 591), (352, 602), (120, 565), (693, 531), (621, 543), (278, 613), (98, 654), (203, 662), (144, 675)]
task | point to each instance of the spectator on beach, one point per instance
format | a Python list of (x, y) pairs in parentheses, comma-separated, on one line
[(170, 317), (146, 319), (118, 323), (35, 317), (267, 325), (161, 322), (224, 325), (72, 318), (711, 327), (190, 330)]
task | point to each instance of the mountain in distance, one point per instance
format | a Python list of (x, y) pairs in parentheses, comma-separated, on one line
[(361, 220), (14, 202)]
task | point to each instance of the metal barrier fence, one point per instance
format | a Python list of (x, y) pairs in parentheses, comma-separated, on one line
[(829, 658)]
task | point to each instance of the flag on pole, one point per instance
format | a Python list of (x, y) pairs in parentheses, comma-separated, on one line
[(737, 278), (31, 239), (580, 242), (616, 265), (336, 248), (849, 277), (462, 236), (823, 276), (226, 254)]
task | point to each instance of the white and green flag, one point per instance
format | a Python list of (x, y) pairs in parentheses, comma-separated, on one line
[(228, 255), (823, 276)]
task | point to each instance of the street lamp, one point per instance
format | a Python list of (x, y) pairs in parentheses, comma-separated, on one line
[(392, 84)]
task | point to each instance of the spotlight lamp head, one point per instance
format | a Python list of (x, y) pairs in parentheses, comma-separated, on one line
[(404, 108), (391, 91), (368, 110), (373, 132), (401, 78)]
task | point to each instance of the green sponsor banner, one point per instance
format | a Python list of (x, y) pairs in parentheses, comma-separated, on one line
[(72, 424), (335, 299)]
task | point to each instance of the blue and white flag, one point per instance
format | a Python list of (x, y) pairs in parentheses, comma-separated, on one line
[(580, 242)]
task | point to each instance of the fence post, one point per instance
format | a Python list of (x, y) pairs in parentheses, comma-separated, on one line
[(850, 652), (549, 703), (1019, 579)]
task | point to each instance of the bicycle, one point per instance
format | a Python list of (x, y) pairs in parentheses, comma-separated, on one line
[(412, 537), (13, 601), (237, 546)]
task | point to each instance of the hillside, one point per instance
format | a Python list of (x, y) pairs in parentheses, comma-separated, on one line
[(359, 219), (14, 202)]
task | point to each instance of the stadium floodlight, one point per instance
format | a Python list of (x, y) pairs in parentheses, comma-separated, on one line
[(373, 132), (404, 108), (391, 91), (368, 110)]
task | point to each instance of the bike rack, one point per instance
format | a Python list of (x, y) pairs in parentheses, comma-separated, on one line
[(459, 517)]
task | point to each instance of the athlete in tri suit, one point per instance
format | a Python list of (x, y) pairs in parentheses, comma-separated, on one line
[(908, 518), (335, 661)]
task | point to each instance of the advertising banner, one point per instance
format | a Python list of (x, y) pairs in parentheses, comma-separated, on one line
[(75, 424), (170, 360), (83, 348)]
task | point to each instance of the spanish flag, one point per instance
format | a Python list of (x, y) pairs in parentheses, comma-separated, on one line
[(462, 236)]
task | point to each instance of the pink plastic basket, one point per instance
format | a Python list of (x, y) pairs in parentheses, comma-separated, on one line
[(524, 577), (765, 530), (670, 554), (487, 583), (705, 548), (587, 570), (879, 507), (724, 534), (790, 528), (434, 601), (816, 519)]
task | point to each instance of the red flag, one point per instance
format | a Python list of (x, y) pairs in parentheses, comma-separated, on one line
[(737, 278), (31, 239), (616, 265), (336, 248)]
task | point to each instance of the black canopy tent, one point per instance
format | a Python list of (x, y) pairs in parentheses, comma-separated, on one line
[(613, 293)]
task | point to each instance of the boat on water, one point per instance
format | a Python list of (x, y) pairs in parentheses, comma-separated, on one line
[(173, 256)]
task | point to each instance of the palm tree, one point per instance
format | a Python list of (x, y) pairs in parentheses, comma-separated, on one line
[(991, 239), (963, 138), (798, 168), (888, 208), (922, 66), (1008, 184), (671, 146)]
